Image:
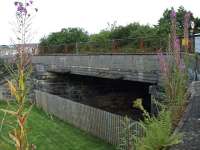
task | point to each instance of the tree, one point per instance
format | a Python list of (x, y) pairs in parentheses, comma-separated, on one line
[(65, 36), (197, 25), (133, 35), (100, 37), (164, 23)]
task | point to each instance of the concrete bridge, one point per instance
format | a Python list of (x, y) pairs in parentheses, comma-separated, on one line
[(141, 68), (105, 81), (137, 74), (131, 67)]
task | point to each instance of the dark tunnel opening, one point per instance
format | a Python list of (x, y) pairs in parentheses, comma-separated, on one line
[(112, 95)]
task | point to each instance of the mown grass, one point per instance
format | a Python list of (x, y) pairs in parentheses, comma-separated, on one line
[(49, 133)]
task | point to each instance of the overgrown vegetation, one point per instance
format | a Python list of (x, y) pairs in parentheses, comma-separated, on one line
[(17, 85), (153, 133), (174, 70), (133, 37), (50, 133), (157, 131)]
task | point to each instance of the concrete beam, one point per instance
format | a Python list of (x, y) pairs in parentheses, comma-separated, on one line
[(142, 68)]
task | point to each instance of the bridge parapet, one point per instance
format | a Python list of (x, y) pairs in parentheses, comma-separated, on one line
[(142, 68), (133, 67)]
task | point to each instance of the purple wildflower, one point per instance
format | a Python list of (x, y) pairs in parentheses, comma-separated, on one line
[(163, 65), (25, 11), (22, 10), (177, 51), (187, 20), (173, 29), (31, 2), (16, 3), (173, 13), (177, 44), (27, 4), (186, 29), (21, 4), (182, 66)]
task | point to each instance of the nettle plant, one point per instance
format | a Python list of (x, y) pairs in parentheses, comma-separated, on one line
[(18, 83)]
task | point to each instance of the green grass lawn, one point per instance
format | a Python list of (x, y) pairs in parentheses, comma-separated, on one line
[(49, 133)]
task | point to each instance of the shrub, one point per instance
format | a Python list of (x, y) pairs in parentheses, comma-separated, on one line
[(157, 133)]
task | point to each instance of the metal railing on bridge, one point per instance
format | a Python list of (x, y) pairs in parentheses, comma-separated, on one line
[(127, 45), (123, 46)]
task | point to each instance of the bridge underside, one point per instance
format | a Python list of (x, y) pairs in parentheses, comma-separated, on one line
[(107, 73), (112, 95)]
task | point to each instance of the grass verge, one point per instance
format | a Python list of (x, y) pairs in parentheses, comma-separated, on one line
[(50, 133)]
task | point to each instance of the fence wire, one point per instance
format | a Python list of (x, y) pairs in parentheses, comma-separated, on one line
[(128, 45)]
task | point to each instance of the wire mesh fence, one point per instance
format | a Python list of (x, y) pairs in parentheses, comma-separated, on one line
[(107, 126)]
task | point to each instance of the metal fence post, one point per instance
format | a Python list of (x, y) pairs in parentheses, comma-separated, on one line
[(77, 51)]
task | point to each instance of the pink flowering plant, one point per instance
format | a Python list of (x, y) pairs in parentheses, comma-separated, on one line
[(157, 131), (174, 69), (18, 133)]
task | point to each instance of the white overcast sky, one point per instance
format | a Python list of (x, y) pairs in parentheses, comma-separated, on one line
[(92, 15)]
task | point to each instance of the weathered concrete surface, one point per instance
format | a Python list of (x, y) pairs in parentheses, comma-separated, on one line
[(132, 67), (143, 68), (190, 123)]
